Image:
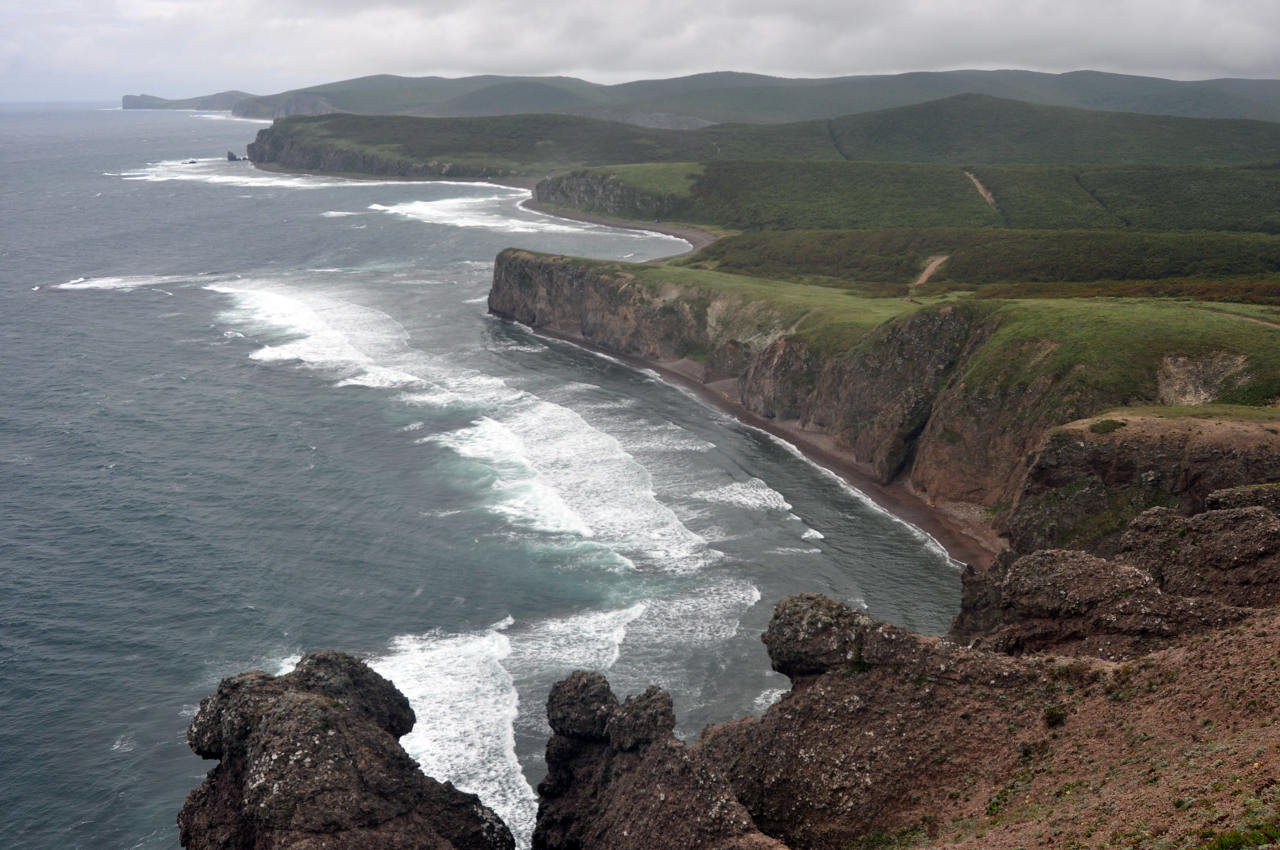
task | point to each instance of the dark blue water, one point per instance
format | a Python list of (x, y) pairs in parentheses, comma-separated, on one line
[(246, 415)]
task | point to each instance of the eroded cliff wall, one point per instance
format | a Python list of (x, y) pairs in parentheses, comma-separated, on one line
[(903, 398)]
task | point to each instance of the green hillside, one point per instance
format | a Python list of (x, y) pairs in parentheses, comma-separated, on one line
[(965, 130), (984, 129), (1011, 263)]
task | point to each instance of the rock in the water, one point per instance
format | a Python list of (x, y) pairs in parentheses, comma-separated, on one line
[(231, 157), (310, 761), (617, 779)]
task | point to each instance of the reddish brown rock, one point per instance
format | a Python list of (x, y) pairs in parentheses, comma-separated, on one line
[(310, 761), (1230, 555), (628, 784), (1074, 603), (868, 745)]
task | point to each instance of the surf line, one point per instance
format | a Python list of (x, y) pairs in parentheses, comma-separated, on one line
[(962, 543)]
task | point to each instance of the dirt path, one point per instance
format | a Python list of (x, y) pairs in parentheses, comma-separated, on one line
[(982, 190), (1241, 317), (930, 267)]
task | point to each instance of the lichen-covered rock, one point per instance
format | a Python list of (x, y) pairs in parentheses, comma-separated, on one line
[(1071, 602), (1231, 555), (1248, 495), (626, 783), (810, 634), (310, 760), (864, 747)]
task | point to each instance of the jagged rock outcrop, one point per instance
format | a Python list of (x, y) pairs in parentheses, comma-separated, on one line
[(1231, 554), (1091, 477), (310, 761), (1074, 603), (618, 779), (880, 725)]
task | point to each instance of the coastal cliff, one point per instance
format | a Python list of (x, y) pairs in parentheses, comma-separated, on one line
[(605, 193), (289, 149), (952, 401)]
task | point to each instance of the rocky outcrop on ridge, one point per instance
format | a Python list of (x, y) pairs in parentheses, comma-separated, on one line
[(310, 761), (1074, 603), (880, 725), (1231, 554), (1091, 477), (617, 779)]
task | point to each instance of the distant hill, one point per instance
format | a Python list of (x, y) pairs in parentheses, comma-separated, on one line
[(727, 97), (983, 129), (964, 130), (219, 102)]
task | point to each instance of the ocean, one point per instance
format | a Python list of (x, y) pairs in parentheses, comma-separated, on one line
[(245, 415)]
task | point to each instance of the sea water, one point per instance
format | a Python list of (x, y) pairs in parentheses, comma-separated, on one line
[(245, 415)]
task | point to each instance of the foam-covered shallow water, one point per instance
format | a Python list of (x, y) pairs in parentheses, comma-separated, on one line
[(246, 415)]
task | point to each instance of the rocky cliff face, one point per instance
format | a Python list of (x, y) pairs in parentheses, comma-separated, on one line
[(604, 194), (617, 779), (1091, 477), (310, 761), (278, 147), (301, 103)]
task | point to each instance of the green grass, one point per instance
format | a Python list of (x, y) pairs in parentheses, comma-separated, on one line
[(1037, 263), (1113, 349), (1227, 412), (982, 129), (665, 178)]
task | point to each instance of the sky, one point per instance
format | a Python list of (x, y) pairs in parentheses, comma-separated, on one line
[(101, 49)]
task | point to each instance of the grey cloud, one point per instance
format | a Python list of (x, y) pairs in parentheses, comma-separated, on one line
[(181, 47)]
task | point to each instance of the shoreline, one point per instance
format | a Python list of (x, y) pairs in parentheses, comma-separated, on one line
[(958, 529), (695, 236)]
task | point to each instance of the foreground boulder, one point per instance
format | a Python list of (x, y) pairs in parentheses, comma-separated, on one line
[(311, 761), (617, 779)]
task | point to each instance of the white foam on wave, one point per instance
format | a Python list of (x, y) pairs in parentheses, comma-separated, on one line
[(706, 615), (124, 282), (338, 214), (217, 171), (637, 233), (363, 346), (767, 698), (589, 474), (525, 498), (812, 534), (753, 494), (227, 116), (490, 212), (554, 648), (463, 688), (927, 540), (466, 702), (125, 743)]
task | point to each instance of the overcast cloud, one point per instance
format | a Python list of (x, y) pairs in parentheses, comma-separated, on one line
[(96, 50)]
